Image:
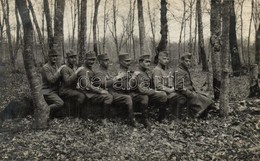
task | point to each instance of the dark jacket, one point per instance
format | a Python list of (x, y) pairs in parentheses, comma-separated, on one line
[(50, 78)]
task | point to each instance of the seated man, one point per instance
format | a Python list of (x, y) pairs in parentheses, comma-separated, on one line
[(69, 83), (50, 83), (85, 81), (144, 84), (186, 93), (162, 80), (107, 81)]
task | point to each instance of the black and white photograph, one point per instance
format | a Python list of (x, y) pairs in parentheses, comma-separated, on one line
[(139, 80)]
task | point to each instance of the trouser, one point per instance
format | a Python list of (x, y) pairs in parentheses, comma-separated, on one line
[(178, 104), (159, 99), (75, 97), (54, 101)]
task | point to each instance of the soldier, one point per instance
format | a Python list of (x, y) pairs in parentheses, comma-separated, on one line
[(69, 82), (85, 80), (125, 86), (186, 93), (107, 81), (144, 87), (161, 81), (51, 81)]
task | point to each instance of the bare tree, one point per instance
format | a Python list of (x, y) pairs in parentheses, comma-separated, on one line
[(191, 4), (41, 112), (215, 29), (40, 37), (164, 27), (82, 29), (5, 7), (152, 24), (105, 23), (235, 59), (249, 32), (141, 25), (201, 46), (48, 23), (224, 98), (1, 39), (97, 2), (18, 28)]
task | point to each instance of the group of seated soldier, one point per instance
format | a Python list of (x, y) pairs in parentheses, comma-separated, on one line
[(140, 88)]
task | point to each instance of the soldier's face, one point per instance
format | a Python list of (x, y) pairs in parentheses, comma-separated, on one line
[(105, 63), (53, 59), (90, 62), (126, 63), (146, 63), (72, 60), (186, 62), (164, 60)]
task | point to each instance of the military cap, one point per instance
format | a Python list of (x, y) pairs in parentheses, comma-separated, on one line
[(145, 56), (52, 52), (124, 56), (163, 53), (90, 55), (186, 55), (103, 57), (71, 53)]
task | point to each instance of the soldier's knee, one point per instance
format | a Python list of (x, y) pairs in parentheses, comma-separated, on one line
[(108, 99), (162, 97), (144, 99), (128, 100), (80, 98)]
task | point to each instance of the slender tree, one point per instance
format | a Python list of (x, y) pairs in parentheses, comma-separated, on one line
[(48, 23), (201, 46), (41, 111), (215, 30), (235, 59), (141, 26), (95, 47), (224, 98), (152, 24), (5, 7), (82, 29), (164, 27)]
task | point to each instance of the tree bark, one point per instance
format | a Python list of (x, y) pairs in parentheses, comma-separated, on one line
[(1, 39), (235, 59), (215, 30), (249, 32), (95, 47), (257, 45), (141, 26), (82, 31), (5, 7), (105, 26), (201, 46), (164, 27), (224, 98), (152, 24), (41, 113), (40, 37), (48, 23), (18, 27), (58, 26)]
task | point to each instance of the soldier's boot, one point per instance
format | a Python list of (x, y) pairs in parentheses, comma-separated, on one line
[(105, 114), (145, 121), (162, 111)]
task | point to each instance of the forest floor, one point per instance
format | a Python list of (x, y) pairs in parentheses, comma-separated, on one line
[(214, 138)]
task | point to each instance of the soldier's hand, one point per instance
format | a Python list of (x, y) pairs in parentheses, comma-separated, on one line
[(79, 69), (135, 74), (120, 75), (104, 92), (60, 68)]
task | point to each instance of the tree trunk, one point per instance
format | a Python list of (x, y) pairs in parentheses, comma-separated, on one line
[(224, 98), (18, 27), (82, 31), (58, 26), (40, 37), (152, 23), (5, 7), (105, 26), (95, 47), (201, 39), (215, 29), (41, 113), (257, 45), (48, 23), (1, 39), (141, 26), (249, 33), (164, 27), (241, 30), (235, 59)]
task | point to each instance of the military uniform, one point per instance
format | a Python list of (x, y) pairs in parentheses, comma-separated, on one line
[(50, 84), (85, 81), (107, 81), (186, 93), (68, 89)]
